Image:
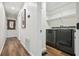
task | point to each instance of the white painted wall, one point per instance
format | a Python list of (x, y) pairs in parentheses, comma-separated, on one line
[(44, 26), (2, 26), (30, 37), (64, 21), (77, 31), (11, 33), (64, 10), (65, 15)]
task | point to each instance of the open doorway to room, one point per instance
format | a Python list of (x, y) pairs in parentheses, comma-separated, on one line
[(60, 28)]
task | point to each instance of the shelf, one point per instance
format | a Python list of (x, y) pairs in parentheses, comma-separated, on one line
[(65, 16)]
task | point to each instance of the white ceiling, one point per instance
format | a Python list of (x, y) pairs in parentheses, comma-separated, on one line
[(12, 8), (50, 6)]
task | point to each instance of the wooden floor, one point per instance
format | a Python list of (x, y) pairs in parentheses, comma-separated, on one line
[(13, 47), (54, 52)]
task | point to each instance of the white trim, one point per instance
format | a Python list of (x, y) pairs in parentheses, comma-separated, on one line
[(2, 47), (25, 48), (63, 16), (29, 52), (44, 49)]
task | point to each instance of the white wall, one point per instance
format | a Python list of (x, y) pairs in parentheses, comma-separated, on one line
[(2, 26), (30, 37), (44, 26), (64, 21), (77, 31), (11, 33), (65, 15)]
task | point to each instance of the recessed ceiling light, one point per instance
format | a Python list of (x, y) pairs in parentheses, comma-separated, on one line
[(12, 8)]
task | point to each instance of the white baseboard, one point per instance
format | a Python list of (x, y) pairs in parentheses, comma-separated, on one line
[(44, 50), (26, 48), (29, 52), (2, 47)]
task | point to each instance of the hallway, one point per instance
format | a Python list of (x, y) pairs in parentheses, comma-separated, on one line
[(19, 19), (13, 47)]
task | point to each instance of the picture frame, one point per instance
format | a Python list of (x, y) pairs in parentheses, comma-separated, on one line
[(11, 24)]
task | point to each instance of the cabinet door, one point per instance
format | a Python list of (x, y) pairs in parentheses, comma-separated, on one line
[(54, 38), (64, 40), (49, 35), (64, 37), (53, 32)]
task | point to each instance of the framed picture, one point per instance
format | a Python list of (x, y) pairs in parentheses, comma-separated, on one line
[(23, 17), (11, 24)]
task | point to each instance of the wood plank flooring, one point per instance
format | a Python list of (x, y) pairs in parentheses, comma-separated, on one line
[(13, 47), (54, 52)]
